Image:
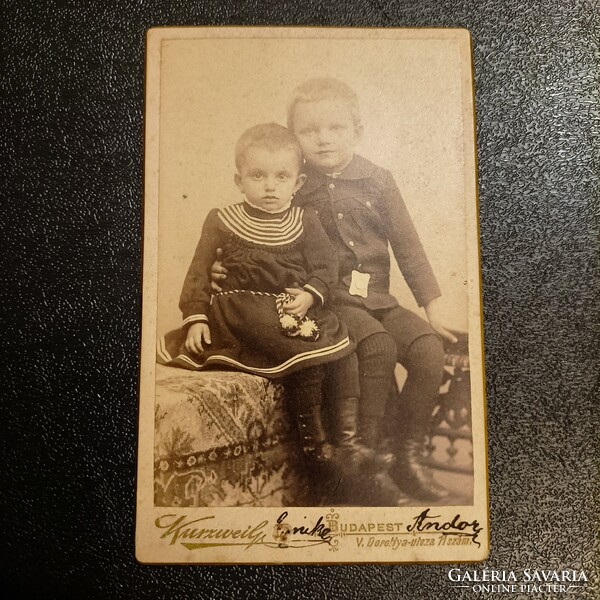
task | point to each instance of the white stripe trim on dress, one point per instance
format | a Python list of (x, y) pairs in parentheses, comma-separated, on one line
[(273, 222), (275, 228), (298, 358), (274, 232), (265, 238), (162, 349), (202, 318), (312, 289)]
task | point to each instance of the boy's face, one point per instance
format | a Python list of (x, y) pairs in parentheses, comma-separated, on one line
[(269, 178), (326, 132)]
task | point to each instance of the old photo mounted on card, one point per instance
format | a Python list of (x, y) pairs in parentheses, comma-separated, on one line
[(312, 385)]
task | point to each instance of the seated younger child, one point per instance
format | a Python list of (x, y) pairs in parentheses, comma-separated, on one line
[(270, 318)]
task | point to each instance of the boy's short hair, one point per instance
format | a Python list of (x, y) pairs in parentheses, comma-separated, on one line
[(324, 88), (268, 136)]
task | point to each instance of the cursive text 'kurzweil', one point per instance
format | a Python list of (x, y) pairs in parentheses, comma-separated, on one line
[(178, 528)]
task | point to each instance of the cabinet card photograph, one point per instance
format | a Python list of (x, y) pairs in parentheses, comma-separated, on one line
[(311, 382)]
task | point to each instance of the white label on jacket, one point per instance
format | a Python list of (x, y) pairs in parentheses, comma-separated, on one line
[(359, 286)]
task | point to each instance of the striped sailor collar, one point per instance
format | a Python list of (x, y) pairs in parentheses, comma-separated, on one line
[(258, 227), (357, 168)]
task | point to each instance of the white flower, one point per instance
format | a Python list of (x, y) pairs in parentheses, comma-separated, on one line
[(288, 322), (309, 329)]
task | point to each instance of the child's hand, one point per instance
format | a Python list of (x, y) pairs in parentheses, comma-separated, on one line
[(196, 334), (436, 321), (217, 273), (303, 300)]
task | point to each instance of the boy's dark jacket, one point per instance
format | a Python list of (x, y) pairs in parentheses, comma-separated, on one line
[(361, 210)]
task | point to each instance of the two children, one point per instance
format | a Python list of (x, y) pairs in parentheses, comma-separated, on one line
[(361, 211)]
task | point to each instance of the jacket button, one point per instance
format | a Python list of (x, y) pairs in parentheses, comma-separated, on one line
[(368, 204), (331, 186), (351, 243), (340, 216), (359, 266)]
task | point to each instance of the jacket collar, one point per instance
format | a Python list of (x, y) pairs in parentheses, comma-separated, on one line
[(357, 168)]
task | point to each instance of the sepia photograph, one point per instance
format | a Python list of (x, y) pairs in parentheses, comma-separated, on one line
[(312, 354), (256, 255)]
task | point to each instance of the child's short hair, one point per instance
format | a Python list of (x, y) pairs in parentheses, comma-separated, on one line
[(324, 88), (269, 136)]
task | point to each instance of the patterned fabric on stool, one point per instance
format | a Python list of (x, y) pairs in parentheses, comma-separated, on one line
[(224, 439)]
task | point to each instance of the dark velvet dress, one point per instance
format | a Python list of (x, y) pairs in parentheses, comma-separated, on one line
[(263, 254)]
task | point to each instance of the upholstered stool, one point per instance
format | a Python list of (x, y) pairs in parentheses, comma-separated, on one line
[(224, 439)]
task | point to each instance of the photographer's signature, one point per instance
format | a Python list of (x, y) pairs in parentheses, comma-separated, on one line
[(426, 522)]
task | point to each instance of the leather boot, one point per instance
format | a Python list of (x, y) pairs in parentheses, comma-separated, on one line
[(364, 480), (405, 437), (370, 435), (353, 454), (381, 490), (412, 476), (314, 442)]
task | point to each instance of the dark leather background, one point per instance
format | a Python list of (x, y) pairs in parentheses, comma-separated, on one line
[(71, 142)]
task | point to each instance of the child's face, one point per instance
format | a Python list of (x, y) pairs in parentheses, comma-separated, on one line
[(268, 178), (326, 132)]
